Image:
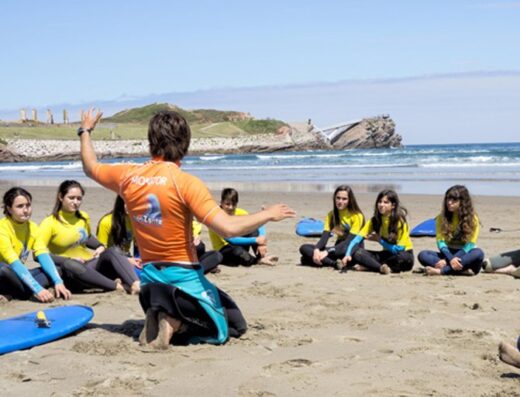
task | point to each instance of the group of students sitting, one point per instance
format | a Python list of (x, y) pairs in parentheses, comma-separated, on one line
[(457, 230), (73, 258)]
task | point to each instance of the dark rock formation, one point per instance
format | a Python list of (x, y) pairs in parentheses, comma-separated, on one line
[(6, 156), (376, 132)]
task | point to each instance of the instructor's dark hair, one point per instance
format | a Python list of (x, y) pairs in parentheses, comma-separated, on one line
[(169, 135), (352, 205), (398, 215), (11, 194), (63, 189), (230, 194)]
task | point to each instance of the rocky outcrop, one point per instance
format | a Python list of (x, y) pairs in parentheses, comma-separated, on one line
[(7, 156), (376, 132)]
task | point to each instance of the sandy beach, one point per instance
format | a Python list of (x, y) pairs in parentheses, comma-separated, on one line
[(312, 332)]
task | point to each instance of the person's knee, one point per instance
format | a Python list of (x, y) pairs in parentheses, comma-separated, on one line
[(73, 267), (423, 257)]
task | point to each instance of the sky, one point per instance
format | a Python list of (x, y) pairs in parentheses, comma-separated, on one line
[(450, 68)]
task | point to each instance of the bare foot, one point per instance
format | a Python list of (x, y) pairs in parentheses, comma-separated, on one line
[(467, 272), (150, 329), (273, 258), (4, 298), (135, 288), (119, 285), (167, 327), (342, 267), (359, 268), (509, 354), (431, 271), (385, 269), (266, 261)]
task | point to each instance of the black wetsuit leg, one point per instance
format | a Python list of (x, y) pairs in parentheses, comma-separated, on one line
[(201, 249), (368, 259), (400, 262), (307, 252), (234, 255), (10, 283), (81, 276), (210, 260), (178, 304), (113, 263), (429, 257)]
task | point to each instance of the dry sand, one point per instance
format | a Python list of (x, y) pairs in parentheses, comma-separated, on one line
[(312, 332)]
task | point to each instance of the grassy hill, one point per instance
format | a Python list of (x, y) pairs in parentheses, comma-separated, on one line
[(133, 124)]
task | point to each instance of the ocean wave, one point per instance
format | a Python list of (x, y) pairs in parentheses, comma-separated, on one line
[(470, 165), (298, 156), (40, 166), (298, 167)]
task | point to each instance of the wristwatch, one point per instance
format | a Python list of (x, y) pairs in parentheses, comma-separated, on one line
[(81, 130)]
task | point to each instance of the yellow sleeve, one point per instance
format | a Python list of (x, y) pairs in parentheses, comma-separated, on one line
[(403, 236), (87, 222), (216, 241), (476, 230), (327, 222), (104, 229), (7, 251), (357, 223), (439, 235), (367, 229), (43, 236), (197, 228)]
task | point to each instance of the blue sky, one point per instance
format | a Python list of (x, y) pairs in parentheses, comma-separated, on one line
[(75, 52)]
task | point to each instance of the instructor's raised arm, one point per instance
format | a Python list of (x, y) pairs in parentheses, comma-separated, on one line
[(89, 119)]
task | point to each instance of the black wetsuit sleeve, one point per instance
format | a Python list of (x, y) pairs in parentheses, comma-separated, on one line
[(93, 242), (323, 240)]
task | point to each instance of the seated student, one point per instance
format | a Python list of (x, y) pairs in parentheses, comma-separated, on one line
[(505, 263), (17, 237), (66, 235), (457, 228), (209, 260), (235, 250), (345, 221), (115, 232), (509, 354), (388, 227)]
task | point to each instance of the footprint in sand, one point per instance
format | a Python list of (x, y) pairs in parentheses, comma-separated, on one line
[(287, 366)]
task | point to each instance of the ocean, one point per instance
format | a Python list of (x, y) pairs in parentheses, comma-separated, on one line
[(486, 169)]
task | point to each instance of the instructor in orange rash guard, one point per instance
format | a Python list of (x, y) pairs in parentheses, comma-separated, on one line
[(161, 201)]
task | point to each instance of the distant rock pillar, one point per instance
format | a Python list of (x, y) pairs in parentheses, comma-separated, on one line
[(23, 115), (50, 117), (34, 115), (65, 116)]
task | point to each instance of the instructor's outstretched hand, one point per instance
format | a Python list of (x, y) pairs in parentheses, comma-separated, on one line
[(279, 212)]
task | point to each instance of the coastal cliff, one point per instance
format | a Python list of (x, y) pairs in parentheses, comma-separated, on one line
[(376, 132)]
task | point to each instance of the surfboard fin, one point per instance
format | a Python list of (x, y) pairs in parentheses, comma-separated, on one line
[(41, 320)]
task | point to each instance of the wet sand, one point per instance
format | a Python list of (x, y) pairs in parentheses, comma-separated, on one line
[(311, 331)]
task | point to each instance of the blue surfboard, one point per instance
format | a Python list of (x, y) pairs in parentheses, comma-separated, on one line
[(424, 229), (309, 227), (27, 330)]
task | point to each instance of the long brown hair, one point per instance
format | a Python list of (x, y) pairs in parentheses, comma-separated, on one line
[(466, 224), (352, 205), (63, 189), (397, 215)]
